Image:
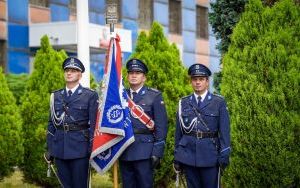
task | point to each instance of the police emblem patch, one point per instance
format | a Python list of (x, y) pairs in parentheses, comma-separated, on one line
[(115, 114), (105, 154)]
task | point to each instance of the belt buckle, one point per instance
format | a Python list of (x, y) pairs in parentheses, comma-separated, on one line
[(199, 134), (66, 127)]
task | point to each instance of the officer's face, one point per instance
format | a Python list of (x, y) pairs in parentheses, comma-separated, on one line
[(136, 79), (72, 75), (199, 84)]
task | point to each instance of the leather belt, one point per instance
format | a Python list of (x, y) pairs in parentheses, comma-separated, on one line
[(142, 131), (200, 134), (72, 127)]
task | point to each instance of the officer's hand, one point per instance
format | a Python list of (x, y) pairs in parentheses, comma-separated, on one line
[(223, 161), (48, 157), (155, 161), (177, 167)]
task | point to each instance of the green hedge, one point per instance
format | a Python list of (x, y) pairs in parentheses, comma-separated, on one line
[(261, 84), (46, 77), (11, 137)]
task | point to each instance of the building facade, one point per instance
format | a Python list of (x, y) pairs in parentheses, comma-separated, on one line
[(22, 22)]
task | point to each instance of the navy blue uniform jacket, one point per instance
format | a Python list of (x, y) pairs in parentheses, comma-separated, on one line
[(147, 145), (80, 108), (202, 152)]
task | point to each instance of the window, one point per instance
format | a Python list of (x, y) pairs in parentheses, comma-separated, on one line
[(175, 16), (2, 54), (72, 7), (42, 3), (202, 22), (145, 13)]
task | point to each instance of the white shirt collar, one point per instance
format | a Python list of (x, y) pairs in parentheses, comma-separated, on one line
[(137, 91), (202, 96), (73, 89)]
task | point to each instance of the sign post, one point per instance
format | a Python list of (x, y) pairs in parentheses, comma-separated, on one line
[(111, 18)]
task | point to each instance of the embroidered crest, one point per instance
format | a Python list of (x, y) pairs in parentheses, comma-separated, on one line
[(105, 154), (115, 114)]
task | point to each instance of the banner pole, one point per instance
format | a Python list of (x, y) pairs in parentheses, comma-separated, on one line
[(116, 174)]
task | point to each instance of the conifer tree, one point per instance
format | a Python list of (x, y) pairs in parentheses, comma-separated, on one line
[(11, 137), (167, 74), (46, 77), (16, 84), (261, 84)]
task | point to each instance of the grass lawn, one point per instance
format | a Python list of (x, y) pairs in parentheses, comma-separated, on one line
[(16, 181)]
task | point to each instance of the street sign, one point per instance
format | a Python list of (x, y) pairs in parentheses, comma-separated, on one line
[(111, 13)]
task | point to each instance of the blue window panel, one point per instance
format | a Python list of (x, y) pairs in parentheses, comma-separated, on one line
[(96, 18), (190, 4), (18, 62), (188, 59), (59, 13), (97, 5), (17, 36), (17, 11), (212, 46), (98, 58), (130, 24), (126, 56), (189, 41), (161, 13), (189, 21), (97, 69), (130, 9), (62, 2)]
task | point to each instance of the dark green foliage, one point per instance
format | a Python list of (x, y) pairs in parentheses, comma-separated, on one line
[(261, 84), (46, 77), (17, 83), (223, 18), (167, 74), (11, 137), (217, 81)]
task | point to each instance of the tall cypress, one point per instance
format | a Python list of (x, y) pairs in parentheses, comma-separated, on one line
[(261, 84), (46, 77), (167, 74), (11, 137)]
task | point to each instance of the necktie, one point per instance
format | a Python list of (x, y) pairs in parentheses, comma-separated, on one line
[(133, 95), (199, 101), (69, 93)]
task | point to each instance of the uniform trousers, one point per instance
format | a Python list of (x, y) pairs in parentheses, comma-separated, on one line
[(73, 173), (136, 174), (201, 177)]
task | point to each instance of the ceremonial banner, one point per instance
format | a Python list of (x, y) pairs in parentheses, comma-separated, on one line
[(113, 132)]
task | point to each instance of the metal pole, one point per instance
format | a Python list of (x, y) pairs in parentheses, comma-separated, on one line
[(83, 49)]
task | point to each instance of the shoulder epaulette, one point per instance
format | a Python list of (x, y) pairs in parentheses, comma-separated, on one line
[(154, 90), (217, 95), (58, 90), (186, 97), (89, 89)]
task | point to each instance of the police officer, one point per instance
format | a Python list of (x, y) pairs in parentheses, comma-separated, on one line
[(71, 126), (202, 137), (139, 160)]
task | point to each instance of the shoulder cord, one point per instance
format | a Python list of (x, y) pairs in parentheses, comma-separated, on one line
[(183, 127), (56, 120)]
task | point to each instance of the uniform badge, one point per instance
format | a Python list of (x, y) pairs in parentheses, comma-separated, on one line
[(115, 114), (105, 154)]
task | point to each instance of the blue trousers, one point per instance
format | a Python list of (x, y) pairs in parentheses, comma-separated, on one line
[(136, 174), (73, 173), (201, 177)]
